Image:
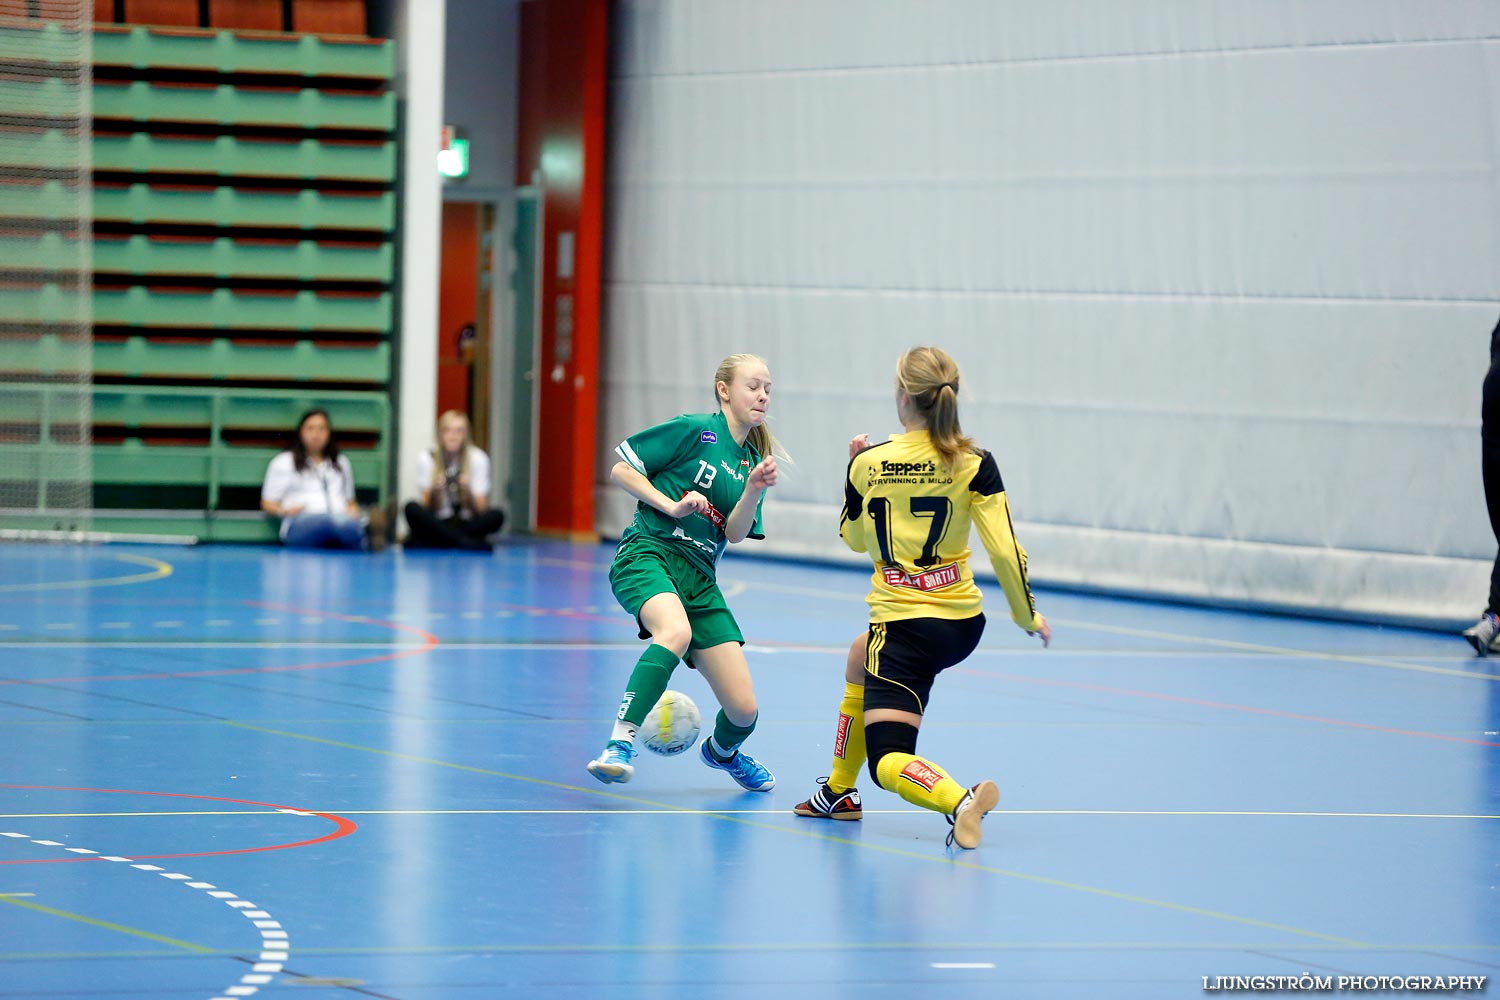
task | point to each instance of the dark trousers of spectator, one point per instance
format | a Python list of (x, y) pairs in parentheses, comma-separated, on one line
[(428, 531), (1490, 438)]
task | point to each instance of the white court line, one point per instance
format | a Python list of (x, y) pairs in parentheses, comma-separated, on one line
[(613, 646), (963, 965), (1386, 663), (273, 954), (221, 644), (1249, 813)]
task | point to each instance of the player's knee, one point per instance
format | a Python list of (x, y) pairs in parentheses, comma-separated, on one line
[(882, 738), (742, 712), (854, 665), (675, 637)]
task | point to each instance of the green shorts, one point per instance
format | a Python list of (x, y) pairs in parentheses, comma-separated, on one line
[(640, 572)]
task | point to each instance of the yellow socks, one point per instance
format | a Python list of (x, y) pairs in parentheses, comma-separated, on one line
[(920, 782), (849, 740)]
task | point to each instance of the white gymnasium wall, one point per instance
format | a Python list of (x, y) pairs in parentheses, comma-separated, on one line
[(1220, 273)]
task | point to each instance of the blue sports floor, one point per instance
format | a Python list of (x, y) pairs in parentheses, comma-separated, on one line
[(236, 771)]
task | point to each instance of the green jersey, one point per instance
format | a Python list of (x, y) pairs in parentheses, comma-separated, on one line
[(692, 452)]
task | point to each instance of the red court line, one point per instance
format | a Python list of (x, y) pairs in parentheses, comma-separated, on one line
[(429, 642), (1228, 706), (563, 613), (343, 826)]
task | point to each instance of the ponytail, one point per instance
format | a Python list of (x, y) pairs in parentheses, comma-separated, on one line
[(929, 376)]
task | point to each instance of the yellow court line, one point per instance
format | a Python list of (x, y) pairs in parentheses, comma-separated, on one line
[(812, 835), (1248, 647), (1255, 647), (92, 922), (675, 811), (159, 570), (831, 946), (198, 812)]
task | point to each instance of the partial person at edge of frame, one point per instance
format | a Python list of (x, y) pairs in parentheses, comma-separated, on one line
[(1484, 635)]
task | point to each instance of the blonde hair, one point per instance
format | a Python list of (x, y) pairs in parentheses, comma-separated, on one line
[(439, 467), (760, 437), (929, 377)]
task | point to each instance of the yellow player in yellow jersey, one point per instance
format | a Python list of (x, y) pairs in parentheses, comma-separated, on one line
[(910, 503)]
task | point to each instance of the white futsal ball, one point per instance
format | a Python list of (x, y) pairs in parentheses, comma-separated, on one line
[(672, 726)]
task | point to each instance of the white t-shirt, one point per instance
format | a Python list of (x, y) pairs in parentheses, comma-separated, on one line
[(321, 488), (479, 480)]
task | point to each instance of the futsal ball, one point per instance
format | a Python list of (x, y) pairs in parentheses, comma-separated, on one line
[(672, 726)]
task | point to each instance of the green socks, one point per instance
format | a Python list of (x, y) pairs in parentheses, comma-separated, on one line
[(647, 683), (728, 737)]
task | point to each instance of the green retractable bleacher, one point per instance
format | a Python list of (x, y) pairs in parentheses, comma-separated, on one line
[(243, 269)]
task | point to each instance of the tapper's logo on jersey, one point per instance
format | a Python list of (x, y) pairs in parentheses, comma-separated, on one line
[(919, 773), (708, 437), (842, 736), (926, 468), (713, 513)]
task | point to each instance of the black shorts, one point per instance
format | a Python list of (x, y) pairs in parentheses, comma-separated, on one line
[(903, 658)]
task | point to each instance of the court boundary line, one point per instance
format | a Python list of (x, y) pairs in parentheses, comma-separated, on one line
[(160, 571), (761, 646), (790, 946), (108, 925), (685, 811), (813, 835), (1248, 647), (341, 827), (396, 651), (1227, 706), (274, 936)]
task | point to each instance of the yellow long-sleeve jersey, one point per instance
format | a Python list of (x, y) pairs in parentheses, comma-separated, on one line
[(912, 515)]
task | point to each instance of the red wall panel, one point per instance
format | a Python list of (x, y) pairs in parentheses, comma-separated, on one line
[(564, 69), (333, 17), (258, 15), (458, 299), (182, 13)]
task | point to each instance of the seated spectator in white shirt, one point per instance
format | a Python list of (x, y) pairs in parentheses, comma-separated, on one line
[(310, 486), (453, 479)]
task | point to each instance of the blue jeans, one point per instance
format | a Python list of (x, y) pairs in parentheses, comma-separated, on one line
[(323, 531)]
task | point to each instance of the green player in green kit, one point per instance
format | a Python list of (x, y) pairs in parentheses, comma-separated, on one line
[(700, 479)]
